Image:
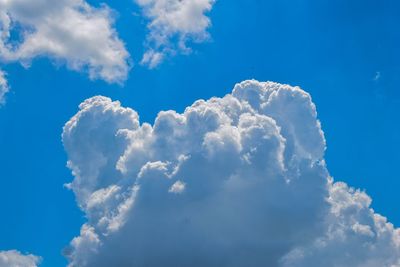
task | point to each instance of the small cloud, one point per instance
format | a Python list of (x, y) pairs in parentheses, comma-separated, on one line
[(177, 188), (14, 258), (377, 76), (4, 88), (152, 58), (172, 24)]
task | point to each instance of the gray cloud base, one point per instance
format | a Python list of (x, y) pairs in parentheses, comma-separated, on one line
[(233, 181)]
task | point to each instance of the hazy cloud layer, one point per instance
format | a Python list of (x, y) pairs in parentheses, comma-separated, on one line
[(3, 87), (13, 258), (233, 181), (172, 23), (68, 31)]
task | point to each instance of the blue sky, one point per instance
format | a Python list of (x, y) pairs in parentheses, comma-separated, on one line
[(344, 53)]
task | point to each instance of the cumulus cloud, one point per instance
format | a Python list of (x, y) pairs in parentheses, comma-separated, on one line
[(172, 23), (14, 258), (354, 235), (3, 87), (233, 181), (68, 31)]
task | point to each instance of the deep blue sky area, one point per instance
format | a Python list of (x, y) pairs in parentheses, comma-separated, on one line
[(345, 53)]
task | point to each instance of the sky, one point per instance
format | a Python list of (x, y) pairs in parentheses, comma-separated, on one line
[(343, 53)]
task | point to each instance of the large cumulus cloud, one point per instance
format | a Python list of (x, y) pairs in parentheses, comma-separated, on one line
[(14, 258), (233, 181), (68, 31)]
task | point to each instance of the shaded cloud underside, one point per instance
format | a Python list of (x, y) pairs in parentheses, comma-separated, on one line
[(233, 181)]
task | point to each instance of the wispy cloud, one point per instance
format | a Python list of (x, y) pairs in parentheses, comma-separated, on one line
[(4, 88), (377, 76), (172, 24)]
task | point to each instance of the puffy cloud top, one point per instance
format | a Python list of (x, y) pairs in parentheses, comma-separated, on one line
[(170, 20), (233, 181), (69, 31), (13, 258)]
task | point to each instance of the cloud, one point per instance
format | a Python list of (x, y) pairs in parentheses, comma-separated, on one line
[(377, 76), (233, 181), (172, 23), (13, 258), (68, 31), (354, 235), (4, 88)]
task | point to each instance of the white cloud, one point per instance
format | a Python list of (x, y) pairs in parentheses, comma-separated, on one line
[(68, 31), (172, 23), (4, 88), (13, 258), (354, 235), (177, 188), (233, 181)]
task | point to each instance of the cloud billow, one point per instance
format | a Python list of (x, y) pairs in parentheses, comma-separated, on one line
[(233, 181)]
